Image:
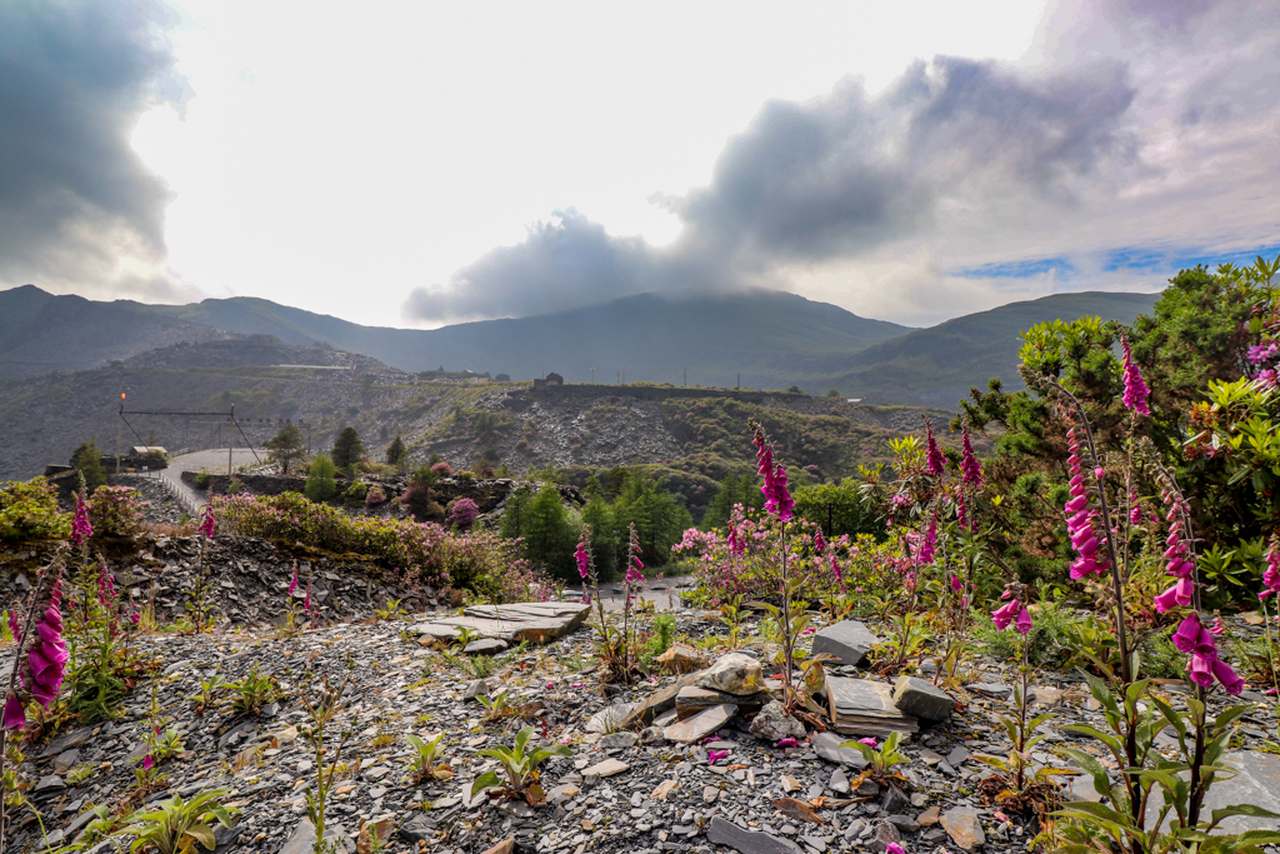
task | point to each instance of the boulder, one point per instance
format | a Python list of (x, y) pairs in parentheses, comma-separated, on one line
[(773, 723), (735, 673), (919, 698), (964, 827), (724, 832), (681, 658), (848, 640)]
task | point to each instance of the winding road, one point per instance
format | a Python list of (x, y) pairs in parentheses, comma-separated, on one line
[(214, 460)]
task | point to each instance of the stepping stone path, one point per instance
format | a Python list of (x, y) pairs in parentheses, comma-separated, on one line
[(535, 622)]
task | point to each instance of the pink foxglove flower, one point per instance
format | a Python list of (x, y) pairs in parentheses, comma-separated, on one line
[(582, 558), (81, 527), (293, 582), (1080, 518), (894, 848), (714, 756), (934, 462), (786, 742), (819, 542), (1204, 665), (208, 523), (47, 659), (970, 468), (148, 762), (15, 717), (777, 497), (1178, 562), (835, 568), (1271, 575), (928, 543), (1135, 388), (868, 741)]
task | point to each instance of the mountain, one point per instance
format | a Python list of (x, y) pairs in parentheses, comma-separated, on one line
[(763, 339), (769, 337), (938, 365)]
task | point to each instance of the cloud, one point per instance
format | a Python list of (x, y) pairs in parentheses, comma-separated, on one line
[(77, 206), (822, 181), (1145, 124)]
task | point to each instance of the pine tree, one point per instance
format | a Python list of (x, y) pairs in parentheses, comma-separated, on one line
[(549, 536), (287, 447), (321, 485), (347, 450), (87, 459), (396, 451)]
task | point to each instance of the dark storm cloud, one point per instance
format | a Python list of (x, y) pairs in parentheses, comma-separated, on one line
[(75, 200), (824, 180)]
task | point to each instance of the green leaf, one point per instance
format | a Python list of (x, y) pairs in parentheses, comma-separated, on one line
[(487, 780)]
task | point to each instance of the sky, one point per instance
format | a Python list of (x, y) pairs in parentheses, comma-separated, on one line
[(418, 164)]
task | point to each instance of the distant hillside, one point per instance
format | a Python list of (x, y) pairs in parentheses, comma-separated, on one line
[(770, 338), (761, 339), (40, 332), (697, 433), (937, 366)]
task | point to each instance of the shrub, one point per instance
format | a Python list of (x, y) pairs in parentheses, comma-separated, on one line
[(375, 497), (321, 484), (87, 459), (478, 561), (463, 513), (29, 511), (441, 469), (115, 511), (347, 449)]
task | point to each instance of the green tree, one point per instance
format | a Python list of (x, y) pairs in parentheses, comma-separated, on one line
[(660, 518), (549, 535), (396, 451), (87, 460), (287, 447), (515, 512), (605, 539), (839, 508), (347, 450), (734, 489), (321, 482)]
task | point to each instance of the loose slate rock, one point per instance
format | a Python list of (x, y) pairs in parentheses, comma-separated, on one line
[(724, 832), (827, 746), (847, 640), (964, 827), (607, 768), (922, 699), (700, 725), (865, 707), (773, 723)]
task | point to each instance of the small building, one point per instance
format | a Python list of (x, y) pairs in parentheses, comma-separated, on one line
[(549, 380)]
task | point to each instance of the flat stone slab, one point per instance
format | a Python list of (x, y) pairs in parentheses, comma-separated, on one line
[(865, 707), (1256, 782), (848, 640), (692, 699), (535, 622), (724, 832), (701, 725), (919, 698), (827, 746)]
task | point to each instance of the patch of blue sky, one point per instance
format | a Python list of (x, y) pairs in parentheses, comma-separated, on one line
[(1139, 258), (1026, 269)]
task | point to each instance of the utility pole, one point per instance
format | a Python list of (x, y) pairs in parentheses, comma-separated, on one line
[(686, 377)]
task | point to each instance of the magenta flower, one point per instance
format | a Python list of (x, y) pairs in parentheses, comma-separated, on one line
[(1270, 576), (786, 742), (835, 568), (15, 627), (15, 717), (935, 462), (819, 542), (583, 558), (208, 523), (1023, 623), (1080, 518), (1004, 616), (956, 584), (868, 741), (928, 547), (777, 497), (148, 762), (47, 659), (1204, 666), (714, 756), (306, 602), (293, 582), (894, 848), (1135, 388), (1178, 562), (1135, 509), (970, 468), (81, 527)]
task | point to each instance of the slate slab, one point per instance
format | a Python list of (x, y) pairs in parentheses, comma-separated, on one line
[(535, 622), (922, 699), (848, 640), (724, 832), (701, 725), (1256, 782), (865, 707), (827, 746)]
